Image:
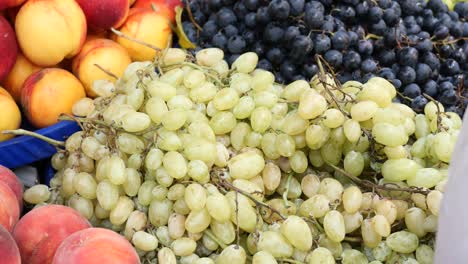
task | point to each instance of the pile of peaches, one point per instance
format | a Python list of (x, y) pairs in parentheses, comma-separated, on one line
[(53, 234), (51, 51)]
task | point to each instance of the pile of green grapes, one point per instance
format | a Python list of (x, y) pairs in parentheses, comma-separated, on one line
[(196, 162)]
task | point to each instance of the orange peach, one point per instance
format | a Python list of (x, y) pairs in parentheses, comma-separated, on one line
[(131, 2), (104, 52), (49, 93), (145, 25), (9, 208), (4, 4), (96, 246), (9, 252), (11, 115), (40, 232), (50, 30), (22, 69), (104, 14), (9, 178), (8, 47), (160, 7)]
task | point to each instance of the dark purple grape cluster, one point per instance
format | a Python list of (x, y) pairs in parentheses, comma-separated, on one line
[(419, 45)]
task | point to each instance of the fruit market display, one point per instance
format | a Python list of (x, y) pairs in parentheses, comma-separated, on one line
[(419, 46), (193, 161)]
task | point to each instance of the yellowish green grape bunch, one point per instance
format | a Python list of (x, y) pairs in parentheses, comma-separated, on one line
[(196, 162)]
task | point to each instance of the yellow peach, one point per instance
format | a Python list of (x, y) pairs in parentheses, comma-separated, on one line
[(49, 93), (50, 30), (11, 115), (22, 69), (104, 52), (147, 26)]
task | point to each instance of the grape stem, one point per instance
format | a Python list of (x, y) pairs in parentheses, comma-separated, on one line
[(384, 187), (123, 35), (439, 119), (106, 71), (285, 194), (22, 132), (189, 11), (225, 184)]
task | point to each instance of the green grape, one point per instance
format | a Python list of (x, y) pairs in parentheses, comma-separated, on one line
[(414, 220), (321, 255), (331, 153), (168, 140), (195, 196), (317, 136), (425, 254), (275, 244), (166, 256), (353, 256), (129, 143), (159, 212), (422, 126), (224, 231), (262, 80), (242, 213), (82, 205), (443, 146), (198, 221), (174, 119), (121, 211), (381, 225), (209, 57), (232, 254), (354, 163), (334, 226), (38, 193), (403, 242), (194, 78), (183, 246), (107, 194), (370, 237), (200, 149), (285, 145), (144, 241), (333, 118), (363, 110), (260, 119), (352, 199), (382, 252), (246, 62), (246, 165), (297, 232), (389, 135), (203, 93), (387, 115), (253, 139), (425, 177), (399, 169), (398, 152), (263, 257), (433, 200), (223, 122), (85, 185), (265, 99), (225, 99), (293, 91), (198, 171), (244, 107), (311, 104), (176, 192), (352, 221), (298, 162), (292, 124), (175, 164), (376, 92)]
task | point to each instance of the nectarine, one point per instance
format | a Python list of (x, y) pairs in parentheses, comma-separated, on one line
[(11, 115), (105, 53), (40, 232), (104, 14), (96, 246), (160, 6), (9, 208), (9, 252), (22, 69), (48, 93), (50, 30), (147, 26), (4, 4), (8, 47), (9, 178)]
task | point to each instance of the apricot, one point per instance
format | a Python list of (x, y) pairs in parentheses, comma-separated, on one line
[(50, 30), (11, 115), (9, 178), (8, 47), (40, 232), (104, 14), (96, 246), (21, 70), (147, 26), (9, 208), (105, 53), (49, 93), (9, 252)]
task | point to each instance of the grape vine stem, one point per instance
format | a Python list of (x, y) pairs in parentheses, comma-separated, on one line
[(22, 132)]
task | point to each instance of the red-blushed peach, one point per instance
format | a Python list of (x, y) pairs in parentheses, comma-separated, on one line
[(9, 178), (9, 252), (104, 14), (4, 4), (10, 118), (40, 232), (22, 69), (49, 93), (147, 26), (8, 47), (105, 53), (131, 2), (96, 246), (160, 7), (9, 207), (50, 30)]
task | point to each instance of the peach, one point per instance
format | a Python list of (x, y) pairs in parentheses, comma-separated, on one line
[(9, 208), (49, 93), (4, 4), (148, 26), (104, 14), (96, 246), (40, 232), (22, 69), (11, 115), (9, 252), (105, 53), (9, 178), (131, 2), (8, 47), (50, 30), (161, 7)]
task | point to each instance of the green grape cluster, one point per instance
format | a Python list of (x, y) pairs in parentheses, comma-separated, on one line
[(201, 163)]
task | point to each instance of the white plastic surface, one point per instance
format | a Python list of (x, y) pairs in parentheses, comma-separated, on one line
[(452, 236)]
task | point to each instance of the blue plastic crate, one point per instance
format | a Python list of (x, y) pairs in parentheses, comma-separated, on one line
[(24, 150)]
